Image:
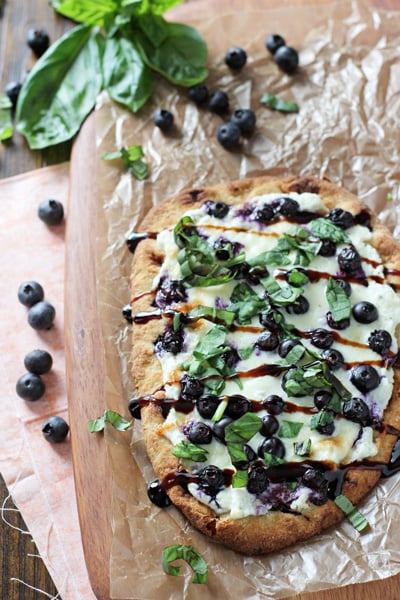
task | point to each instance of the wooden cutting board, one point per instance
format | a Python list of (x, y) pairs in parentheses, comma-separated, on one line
[(84, 348)]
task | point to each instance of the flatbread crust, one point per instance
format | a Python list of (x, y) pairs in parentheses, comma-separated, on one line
[(275, 530)]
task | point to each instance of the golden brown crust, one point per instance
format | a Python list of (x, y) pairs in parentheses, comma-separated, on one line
[(275, 530)]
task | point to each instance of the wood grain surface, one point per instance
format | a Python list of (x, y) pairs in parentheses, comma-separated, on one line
[(80, 261)]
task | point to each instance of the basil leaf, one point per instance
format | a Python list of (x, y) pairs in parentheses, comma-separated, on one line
[(302, 448), (246, 303), (92, 12), (6, 127), (216, 315), (294, 383), (293, 356), (297, 278), (112, 417), (240, 432), (272, 258), (154, 28), (126, 78), (185, 449), (338, 300), (158, 7), (57, 94), (246, 352), (240, 479), (131, 157), (326, 230), (211, 343), (281, 294), (321, 418), (279, 104), (289, 429), (270, 460), (180, 58), (358, 521), (191, 556)]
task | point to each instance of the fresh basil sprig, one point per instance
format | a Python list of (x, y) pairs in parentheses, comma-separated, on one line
[(279, 103), (117, 46), (338, 300), (132, 159), (190, 555), (6, 127)]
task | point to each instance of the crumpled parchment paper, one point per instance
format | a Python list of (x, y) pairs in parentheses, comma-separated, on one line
[(348, 90)]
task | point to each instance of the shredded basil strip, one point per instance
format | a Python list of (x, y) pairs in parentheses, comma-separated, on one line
[(216, 315), (246, 304), (358, 521), (339, 302), (302, 448), (112, 417), (185, 449), (281, 294), (326, 230), (240, 432), (219, 412), (322, 418), (289, 429), (191, 556), (280, 104)]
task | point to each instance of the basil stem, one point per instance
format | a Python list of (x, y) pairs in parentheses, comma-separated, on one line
[(191, 556)]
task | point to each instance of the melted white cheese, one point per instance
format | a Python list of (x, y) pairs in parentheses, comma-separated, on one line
[(349, 442)]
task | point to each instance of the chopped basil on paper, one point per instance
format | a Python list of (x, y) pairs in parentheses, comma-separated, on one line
[(190, 555), (112, 417), (132, 159), (279, 104)]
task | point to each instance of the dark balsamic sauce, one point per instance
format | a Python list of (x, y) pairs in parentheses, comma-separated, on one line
[(135, 237)]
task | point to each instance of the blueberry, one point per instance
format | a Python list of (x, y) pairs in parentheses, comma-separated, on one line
[(349, 260), (322, 398), (299, 307), (364, 377), (157, 495), (191, 387), (207, 404), (314, 479), (256, 273), (30, 387), (245, 119), (127, 313), (163, 119), (51, 212), (12, 91), (380, 341), (134, 238), (198, 94), (38, 362), (285, 206), (235, 58), (30, 292), (211, 479), (55, 430), (270, 426), (321, 338), (223, 249), (286, 346), (38, 40), (170, 341), (333, 358), (274, 405), (342, 218), (287, 59), (268, 340), (41, 315), (219, 427), (271, 445), (263, 214), (218, 102), (230, 357), (326, 429), (365, 312), (328, 248), (217, 209), (237, 406), (228, 135), (258, 479), (341, 324), (200, 433), (170, 291), (267, 320), (273, 42), (357, 410), (135, 408)]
